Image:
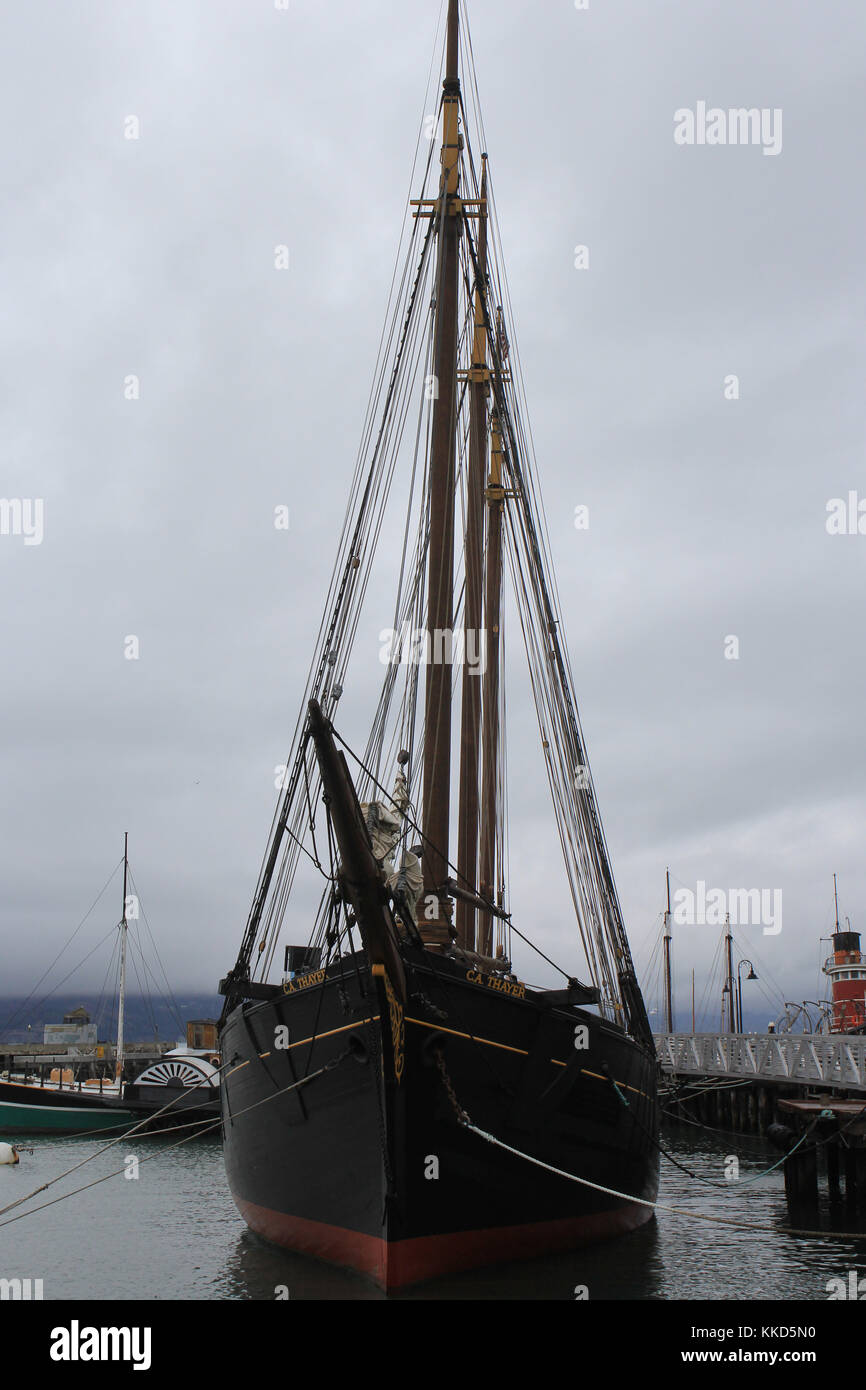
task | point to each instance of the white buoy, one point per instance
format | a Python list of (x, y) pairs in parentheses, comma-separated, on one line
[(8, 1154)]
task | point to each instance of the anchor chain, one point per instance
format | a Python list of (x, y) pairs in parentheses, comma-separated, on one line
[(461, 1114)]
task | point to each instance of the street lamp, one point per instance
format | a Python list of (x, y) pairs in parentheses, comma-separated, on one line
[(751, 976)]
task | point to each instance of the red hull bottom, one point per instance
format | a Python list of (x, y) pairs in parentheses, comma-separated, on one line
[(394, 1264)]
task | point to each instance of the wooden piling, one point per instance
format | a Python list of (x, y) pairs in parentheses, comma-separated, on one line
[(851, 1179), (808, 1156), (831, 1154), (860, 1178)]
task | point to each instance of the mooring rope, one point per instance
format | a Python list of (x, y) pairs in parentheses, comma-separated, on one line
[(661, 1206), (709, 1182), (127, 1134), (215, 1124)]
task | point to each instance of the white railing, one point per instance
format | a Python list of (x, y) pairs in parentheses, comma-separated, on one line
[(811, 1059)]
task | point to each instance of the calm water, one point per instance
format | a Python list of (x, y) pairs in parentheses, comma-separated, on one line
[(174, 1233)]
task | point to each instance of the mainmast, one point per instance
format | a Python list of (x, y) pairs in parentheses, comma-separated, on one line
[(495, 498), (470, 737), (122, 998), (440, 587)]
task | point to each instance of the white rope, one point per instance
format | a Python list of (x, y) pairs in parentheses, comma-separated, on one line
[(660, 1206), (572, 1177)]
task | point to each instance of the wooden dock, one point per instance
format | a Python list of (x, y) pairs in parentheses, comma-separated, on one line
[(805, 1092), (86, 1061)]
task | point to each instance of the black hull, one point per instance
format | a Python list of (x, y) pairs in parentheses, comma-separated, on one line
[(367, 1165)]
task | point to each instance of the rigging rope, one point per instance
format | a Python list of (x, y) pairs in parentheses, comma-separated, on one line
[(662, 1206), (329, 1066), (406, 350), (17, 1012)]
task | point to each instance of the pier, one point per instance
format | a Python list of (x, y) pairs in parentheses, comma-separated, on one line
[(85, 1061), (805, 1092), (809, 1059)]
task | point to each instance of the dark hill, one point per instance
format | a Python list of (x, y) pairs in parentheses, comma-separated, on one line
[(146, 1019)]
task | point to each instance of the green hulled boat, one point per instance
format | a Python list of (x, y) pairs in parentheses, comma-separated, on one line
[(26, 1108)]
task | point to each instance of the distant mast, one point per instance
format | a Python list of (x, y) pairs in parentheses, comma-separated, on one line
[(440, 586), (669, 1003), (729, 983), (122, 999)]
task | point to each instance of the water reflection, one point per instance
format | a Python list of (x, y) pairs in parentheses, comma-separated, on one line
[(673, 1257), (175, 1234)]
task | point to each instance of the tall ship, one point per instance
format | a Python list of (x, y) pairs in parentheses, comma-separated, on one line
[(397, 1096)]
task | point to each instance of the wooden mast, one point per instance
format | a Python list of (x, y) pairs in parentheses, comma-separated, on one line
[(473, 656), (669, 993), (729, 987), (495, 497), (440, 613), (122, 996)]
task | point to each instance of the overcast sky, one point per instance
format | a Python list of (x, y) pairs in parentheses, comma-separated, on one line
[(154, 257)]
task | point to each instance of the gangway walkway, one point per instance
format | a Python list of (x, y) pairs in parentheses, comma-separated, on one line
[(810, 1059)]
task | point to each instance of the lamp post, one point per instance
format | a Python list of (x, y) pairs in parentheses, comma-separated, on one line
[(751, 976)]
